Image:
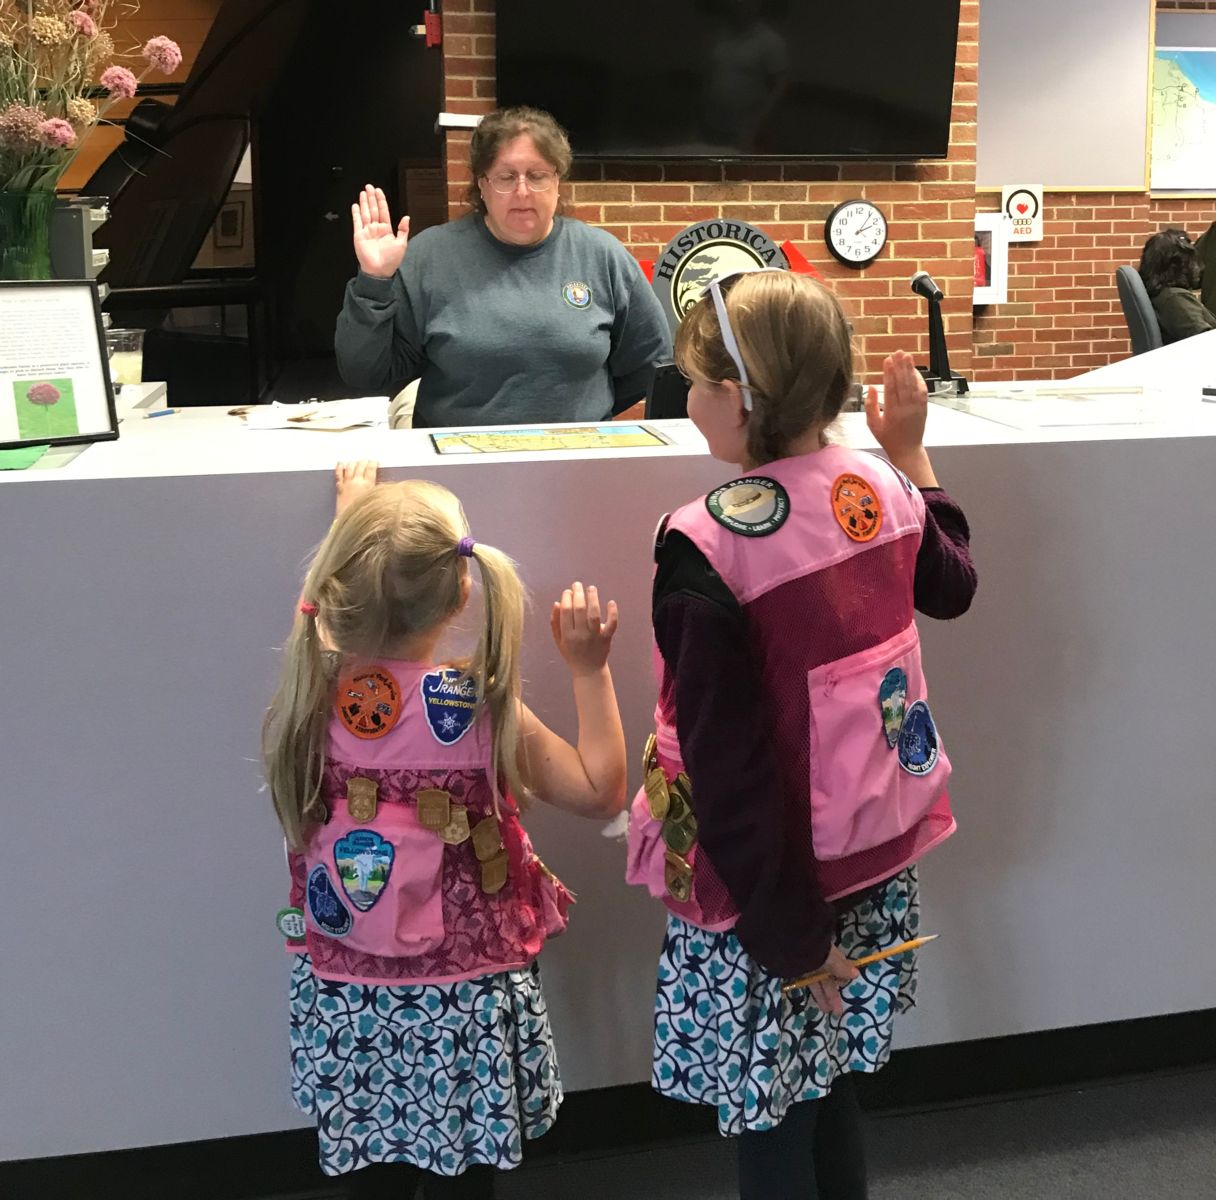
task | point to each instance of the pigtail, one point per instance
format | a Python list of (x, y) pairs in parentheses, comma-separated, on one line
[(496, 663), (295, 727)]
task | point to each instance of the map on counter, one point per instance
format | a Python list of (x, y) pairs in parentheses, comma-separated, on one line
[(1184, 120), (560, 437)]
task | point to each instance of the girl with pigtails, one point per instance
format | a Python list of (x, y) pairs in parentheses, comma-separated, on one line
[(420, 1038)]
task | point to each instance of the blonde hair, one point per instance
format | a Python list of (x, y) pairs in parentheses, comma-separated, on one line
[(388, 569), (795, 342), (503, 125)]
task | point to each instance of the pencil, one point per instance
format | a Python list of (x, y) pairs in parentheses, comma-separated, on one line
[(890, 952)]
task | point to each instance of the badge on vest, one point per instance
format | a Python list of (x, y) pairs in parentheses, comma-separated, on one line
[(364, 861), (892, 701), (754, 506), (361, 799), (856, 507), (331, 916), (369, 702), (918, 740), (290, 923), (450, 699)]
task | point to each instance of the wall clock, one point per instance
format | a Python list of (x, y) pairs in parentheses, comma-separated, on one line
[(855, 232)]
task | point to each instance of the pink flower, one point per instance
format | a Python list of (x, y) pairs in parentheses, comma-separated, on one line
[(83, 24), (57, 133), (164, 54), (119, 82), (43, 393)]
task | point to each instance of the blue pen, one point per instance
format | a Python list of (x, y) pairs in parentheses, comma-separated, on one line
[(160, 412)]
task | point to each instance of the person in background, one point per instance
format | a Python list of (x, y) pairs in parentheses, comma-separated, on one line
[(514, 313), (796, 776), (1172, 272), (420, 1038), (1207, 257)]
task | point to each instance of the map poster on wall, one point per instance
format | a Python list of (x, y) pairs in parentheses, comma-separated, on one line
[(1184, 120), (54, 378)]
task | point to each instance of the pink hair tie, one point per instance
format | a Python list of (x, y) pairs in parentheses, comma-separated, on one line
[(308, 609), (465, 548)]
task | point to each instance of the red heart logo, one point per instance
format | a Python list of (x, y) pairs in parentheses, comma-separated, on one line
[(1023, 207)]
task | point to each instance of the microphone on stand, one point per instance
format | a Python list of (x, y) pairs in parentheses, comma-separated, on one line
[(938, 376), (923, 285)]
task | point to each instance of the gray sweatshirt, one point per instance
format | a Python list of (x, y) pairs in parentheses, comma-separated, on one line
[(565, 330)]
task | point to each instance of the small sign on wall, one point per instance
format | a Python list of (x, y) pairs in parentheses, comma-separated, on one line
[(1023, 205)]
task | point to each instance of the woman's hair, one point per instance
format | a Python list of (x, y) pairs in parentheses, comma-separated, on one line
[(1169, 259), (795, 342), (496, 129), (388, 569)]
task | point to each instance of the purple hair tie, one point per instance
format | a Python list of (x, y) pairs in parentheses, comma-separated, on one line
[(465, 548)]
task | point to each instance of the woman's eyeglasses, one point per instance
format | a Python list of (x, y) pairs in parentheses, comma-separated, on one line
[(505, 182)]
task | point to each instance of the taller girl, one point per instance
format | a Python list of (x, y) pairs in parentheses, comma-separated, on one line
[(797, 774)]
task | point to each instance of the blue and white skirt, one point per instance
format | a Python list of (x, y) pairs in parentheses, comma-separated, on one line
[(725, 1035), (443, 1076)]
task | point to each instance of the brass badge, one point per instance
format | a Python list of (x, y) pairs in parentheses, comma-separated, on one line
[(677, 876), (494, 874), (487, 840), (650, 755), (657, 794), (456, 831), (434, 809), (655, 780), (680, 836), (361, 797), (680, 826)]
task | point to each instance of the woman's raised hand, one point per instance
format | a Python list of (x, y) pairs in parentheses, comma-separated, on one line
[(379, 247)]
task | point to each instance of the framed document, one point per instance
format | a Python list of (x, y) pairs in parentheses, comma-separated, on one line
[(55, 384)]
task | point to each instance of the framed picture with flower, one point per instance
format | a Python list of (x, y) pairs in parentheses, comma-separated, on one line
[(55, 387)]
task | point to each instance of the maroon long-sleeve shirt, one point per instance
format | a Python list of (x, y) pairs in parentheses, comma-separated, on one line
[(784, 923)]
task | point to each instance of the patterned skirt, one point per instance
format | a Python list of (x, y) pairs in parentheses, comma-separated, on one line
[(725, 1035), (443, 1076)]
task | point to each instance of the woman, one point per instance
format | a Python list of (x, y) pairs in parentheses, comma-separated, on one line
[(513, 314), (1172, 271)]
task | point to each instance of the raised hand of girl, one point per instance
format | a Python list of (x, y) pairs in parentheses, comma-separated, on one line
[(898, 422), (582, 632)]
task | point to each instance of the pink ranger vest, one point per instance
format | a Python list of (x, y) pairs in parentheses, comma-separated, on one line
[(389, 892), (820, 551)]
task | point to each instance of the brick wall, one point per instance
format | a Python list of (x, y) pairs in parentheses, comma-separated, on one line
[(930, 206), (1063, 315)]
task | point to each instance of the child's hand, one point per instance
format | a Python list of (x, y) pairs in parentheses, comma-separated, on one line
[(352, 480), (582, 635), (826, 993), (899, 423)]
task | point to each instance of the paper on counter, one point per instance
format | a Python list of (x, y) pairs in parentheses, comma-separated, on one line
[(329, 416)]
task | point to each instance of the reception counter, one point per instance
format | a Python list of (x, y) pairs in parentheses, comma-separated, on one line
[(146, 585)]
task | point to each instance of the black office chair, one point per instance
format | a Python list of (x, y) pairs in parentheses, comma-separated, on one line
[(1138, 311)]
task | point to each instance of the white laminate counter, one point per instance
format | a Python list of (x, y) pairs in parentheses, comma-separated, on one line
[(146, 584)]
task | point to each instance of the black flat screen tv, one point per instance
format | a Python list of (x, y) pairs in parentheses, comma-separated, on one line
[(735, 79)]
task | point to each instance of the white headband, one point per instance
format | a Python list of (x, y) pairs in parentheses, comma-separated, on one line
[(728, 334)]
